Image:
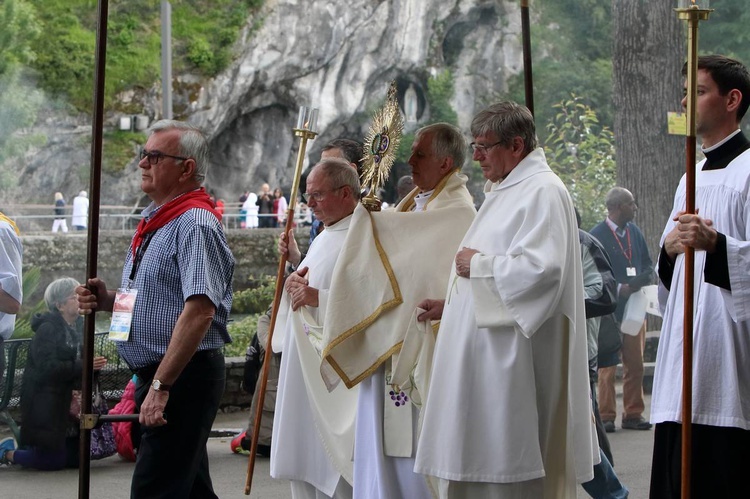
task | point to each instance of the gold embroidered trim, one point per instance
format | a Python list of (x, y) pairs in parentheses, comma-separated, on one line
[(409, 200), (367, 322), (10, 222), (351, 383)]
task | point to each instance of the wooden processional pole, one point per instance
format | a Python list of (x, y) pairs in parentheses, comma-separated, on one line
[(97, 125), (692, 14), (528, 81), (305, 130)]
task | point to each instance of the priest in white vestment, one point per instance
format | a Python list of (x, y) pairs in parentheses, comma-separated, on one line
[(508, 414), (720, 236), (313, 431), (391, 262)]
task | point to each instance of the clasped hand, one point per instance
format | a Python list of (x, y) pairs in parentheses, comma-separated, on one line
[(299, 290), (693, 231)]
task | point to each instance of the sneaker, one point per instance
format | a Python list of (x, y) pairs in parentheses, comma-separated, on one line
[(8, 444), (636, 424), (609, 426), (236, 444)]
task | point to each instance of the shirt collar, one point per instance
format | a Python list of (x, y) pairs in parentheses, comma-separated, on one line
[(620, 231), (721, 143)]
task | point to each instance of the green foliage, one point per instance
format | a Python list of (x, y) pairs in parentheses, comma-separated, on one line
[(241, 333), (582, 153), (119, 149), (439, 94), (30, 282), (19, 104), (203, 33), (200, 53), (65, 60), (404, 149), (571, 53), (19, 100), (14, 147), (727, 32), (592, 80), (256, 298), (18, 29), (580, 28)]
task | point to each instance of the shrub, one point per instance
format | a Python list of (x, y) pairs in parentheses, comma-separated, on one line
[(582, 153), (242, 332), (30, 282), (256, 298)]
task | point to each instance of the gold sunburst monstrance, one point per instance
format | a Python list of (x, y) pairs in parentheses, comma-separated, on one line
[(380, 147)]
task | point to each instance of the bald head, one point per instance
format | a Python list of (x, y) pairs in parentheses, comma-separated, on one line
[(621, 206)]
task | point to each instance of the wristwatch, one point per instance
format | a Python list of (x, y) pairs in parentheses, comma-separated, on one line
[(159, 386)]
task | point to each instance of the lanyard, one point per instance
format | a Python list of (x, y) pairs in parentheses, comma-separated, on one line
[(629, 253), (140, 250)]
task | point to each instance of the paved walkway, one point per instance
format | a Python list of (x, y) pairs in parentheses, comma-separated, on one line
[(110, 478)]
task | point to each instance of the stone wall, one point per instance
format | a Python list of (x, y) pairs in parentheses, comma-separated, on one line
[(65, 255), (234, 395)]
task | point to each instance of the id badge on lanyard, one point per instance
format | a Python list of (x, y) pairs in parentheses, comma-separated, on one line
[(122, 314)]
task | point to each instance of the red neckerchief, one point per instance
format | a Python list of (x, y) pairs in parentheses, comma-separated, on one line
[(171, 210)]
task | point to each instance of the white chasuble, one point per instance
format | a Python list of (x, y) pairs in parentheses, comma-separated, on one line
[(313, 430), (721, 326), (509, 394)]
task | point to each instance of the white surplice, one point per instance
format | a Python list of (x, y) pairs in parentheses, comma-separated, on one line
[(509, 393), (721, 327), (313, 430)]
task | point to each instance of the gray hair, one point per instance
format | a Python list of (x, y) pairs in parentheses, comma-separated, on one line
[(59, 291), (506, 120), (616, 197), (339, 173), (193, 144), (447, 142)]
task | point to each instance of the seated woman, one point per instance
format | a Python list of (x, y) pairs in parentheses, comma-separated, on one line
[(53, 369)]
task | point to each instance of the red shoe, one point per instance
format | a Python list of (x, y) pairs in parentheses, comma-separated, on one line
[(236, 444)]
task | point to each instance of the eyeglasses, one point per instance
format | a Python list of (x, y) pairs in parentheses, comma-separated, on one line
[(318, 195), (155, 157), (483, 149)]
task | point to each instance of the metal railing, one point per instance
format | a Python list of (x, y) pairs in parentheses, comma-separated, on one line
[(38, 219)]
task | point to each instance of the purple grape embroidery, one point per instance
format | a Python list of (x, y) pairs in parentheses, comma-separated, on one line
[(399, 398)]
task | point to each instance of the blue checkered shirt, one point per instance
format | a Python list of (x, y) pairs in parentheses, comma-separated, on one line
[(188, 256)]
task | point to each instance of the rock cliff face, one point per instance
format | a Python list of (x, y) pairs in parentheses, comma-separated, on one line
[(338, 56)]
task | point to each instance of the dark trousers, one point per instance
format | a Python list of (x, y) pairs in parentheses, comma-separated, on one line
[(172, 460), (49, 460), (720, 461), (601, 435)]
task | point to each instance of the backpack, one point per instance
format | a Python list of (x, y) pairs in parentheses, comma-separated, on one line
[(253, 363)]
